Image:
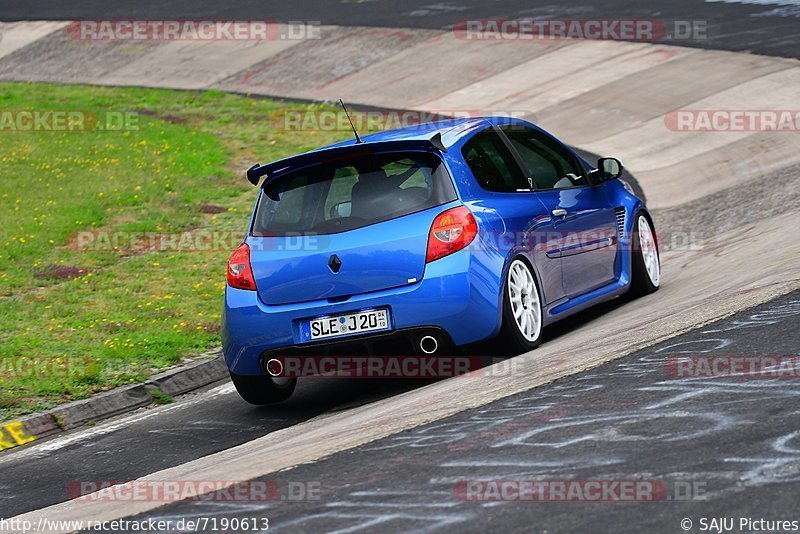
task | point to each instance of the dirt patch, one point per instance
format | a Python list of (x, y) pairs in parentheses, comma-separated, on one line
[(211, 208), (60, 272), (174, 119)]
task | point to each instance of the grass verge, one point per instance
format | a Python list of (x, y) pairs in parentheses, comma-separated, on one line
[(80, 314)]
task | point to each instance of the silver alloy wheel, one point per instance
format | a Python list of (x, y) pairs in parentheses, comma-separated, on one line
[(649, 251), (524, 299)]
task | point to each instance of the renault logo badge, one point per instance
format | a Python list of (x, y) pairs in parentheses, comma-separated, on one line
[(335, 263)]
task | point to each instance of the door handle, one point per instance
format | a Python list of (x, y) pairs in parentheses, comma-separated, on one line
[(559, 213)]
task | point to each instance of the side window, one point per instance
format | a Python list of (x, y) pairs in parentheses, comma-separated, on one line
[(492, 164), (551, 165)]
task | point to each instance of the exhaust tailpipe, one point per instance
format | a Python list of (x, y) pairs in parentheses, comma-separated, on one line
[(275, 367), (428, 345)]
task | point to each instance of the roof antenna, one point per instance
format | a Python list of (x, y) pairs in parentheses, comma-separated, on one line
[(358, 139)]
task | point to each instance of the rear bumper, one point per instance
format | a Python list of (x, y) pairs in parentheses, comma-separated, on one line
[(457, 295)]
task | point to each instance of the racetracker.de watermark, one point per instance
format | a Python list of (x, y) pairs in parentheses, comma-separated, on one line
[(756, 367), (598, 490), (391, 367), (363, 121), (43, 367), (200, 240), (192, 30), (140, 242), (218, 240), (733, 120), (192, 490), (529, 29), (48, 120)]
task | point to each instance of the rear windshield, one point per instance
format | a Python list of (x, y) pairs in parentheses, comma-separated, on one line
[(350, 193)]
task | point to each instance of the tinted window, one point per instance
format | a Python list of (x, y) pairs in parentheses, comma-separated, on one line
[(351, 193), (492, 164), (551, 165)]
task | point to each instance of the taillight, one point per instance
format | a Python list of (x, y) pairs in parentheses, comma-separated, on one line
[(240, 274), (451, 231)]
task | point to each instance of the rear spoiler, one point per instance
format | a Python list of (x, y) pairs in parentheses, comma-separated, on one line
[(276, 168)]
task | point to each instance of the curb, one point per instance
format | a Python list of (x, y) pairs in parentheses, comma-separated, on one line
[(178, 381)]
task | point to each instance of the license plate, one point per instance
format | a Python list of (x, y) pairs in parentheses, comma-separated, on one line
[(345, 325)]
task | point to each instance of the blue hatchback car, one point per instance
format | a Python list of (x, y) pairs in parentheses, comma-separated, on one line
[(425, 238)]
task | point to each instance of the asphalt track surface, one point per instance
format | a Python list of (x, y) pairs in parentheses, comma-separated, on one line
[(757, 26), (628, 419), (713, 446), (199, 424)]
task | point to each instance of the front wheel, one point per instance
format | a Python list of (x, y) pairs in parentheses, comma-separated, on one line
[(262, 390), (646, 264), (522, 310)]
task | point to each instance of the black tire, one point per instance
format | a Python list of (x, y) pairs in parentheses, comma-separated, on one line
[(511, 340), (641, 282), (262, 390)]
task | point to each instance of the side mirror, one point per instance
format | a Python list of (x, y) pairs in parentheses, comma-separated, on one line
[(609, 168), (342, 209)]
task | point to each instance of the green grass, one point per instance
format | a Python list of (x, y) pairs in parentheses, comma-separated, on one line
[(159, 397), (114, 317)]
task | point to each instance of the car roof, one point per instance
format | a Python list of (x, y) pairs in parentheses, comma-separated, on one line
[(409, 133), (451, 130), (441, 134)]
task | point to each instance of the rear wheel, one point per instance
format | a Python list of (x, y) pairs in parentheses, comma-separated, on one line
[(522, 310), (646, 263), (261, 390)]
